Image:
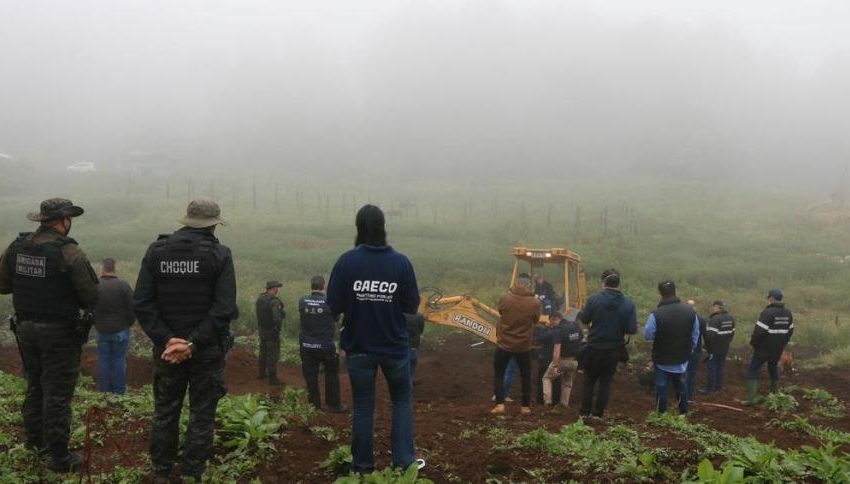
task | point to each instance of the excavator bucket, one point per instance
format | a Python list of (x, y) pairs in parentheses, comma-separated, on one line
[(463, 312)]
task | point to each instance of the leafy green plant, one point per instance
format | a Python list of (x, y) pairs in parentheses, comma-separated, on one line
[(707, 474), (832, 409), (324, 433), (498, 434), (338, 460), (387, 476), (246, 424), (764, 462), (293, 407), (619, 450), (824, 434), (817, 395), (823, 464), (781, 402)]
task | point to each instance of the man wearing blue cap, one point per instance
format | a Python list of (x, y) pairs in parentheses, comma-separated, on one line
[(772, 332)]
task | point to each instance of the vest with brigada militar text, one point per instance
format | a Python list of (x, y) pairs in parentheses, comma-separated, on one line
[(185, 271), (42, 286)]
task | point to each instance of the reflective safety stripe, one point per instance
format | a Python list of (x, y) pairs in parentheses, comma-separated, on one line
[(719, 331), (774, 331)]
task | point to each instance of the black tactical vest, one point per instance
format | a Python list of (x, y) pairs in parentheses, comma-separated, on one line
[(185, 272), (265, 318), (317, 322), (674, 323), (42, 284), (570, 340)]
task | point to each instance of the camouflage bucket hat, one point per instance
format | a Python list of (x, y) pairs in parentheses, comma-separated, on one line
[(273, 284), (55, 208), (202, 213)]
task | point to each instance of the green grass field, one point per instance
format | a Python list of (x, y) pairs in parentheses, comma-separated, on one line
[(717, 242)]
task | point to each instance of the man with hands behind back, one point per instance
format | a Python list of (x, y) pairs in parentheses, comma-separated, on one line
[(185, 299)]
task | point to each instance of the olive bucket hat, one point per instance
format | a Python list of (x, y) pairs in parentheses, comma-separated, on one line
[(55, 208), (202, 213)]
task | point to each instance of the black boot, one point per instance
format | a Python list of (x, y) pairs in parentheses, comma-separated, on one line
[(68, 463)]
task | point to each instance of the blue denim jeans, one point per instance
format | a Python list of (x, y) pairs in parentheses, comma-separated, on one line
[(414, 359), (112, 361), (662, 379), (716, 364), (755, 365), (693, 366), (362, 371)]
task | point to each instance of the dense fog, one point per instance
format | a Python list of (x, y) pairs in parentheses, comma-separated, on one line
[(714, 90)]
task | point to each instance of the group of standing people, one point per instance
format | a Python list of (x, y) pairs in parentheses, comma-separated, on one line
[(185, 300), (677, 331)]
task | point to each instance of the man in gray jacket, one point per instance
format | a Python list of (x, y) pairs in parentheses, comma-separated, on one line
[(113, 317)]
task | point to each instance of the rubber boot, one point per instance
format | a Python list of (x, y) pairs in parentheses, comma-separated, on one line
[(774, 386), (752, 393)]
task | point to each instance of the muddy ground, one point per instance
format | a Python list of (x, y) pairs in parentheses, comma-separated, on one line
[(452, 403)]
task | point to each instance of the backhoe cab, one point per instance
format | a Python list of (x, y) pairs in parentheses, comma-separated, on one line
[(468, 313)]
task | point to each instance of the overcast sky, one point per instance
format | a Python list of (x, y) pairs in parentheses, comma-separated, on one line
[(655, 84)]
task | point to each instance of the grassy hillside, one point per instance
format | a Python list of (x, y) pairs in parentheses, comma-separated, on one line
[(715, 241)]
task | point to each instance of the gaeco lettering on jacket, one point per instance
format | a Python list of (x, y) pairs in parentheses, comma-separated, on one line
[(375, 291), (180, 267), (375, 286)]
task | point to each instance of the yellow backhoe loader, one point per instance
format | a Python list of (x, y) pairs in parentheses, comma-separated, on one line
[(468, 313)]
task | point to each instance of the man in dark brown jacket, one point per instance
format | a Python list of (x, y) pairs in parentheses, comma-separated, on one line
[(519, 311)]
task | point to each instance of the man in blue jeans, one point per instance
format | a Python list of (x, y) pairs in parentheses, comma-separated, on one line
[(373, 286), (673, 329), (113, 316)]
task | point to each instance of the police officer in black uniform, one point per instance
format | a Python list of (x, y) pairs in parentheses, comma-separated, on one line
[(317, 346), (270, 315), (718, 337), (185, 299), (771, 333), (51, 281)]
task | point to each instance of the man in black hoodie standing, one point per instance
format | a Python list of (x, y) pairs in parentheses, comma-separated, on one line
[(718, 337), (772, 332), (673, 329), (611, 316)]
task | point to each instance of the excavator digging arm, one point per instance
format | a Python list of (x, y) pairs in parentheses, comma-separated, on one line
[(464, 312)]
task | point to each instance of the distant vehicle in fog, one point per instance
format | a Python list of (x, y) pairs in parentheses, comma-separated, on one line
[(81, 167)]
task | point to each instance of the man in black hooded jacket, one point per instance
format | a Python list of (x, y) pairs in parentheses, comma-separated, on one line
[(611, 315)]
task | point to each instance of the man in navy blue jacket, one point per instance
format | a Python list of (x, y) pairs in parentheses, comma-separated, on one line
[(611, 315), (373, 286)]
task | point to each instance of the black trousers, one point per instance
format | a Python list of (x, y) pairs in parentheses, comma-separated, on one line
[(310, 361), (600, 367), (500, 363), (269, 356), (51, 354), (203, 376), (542, 366)]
